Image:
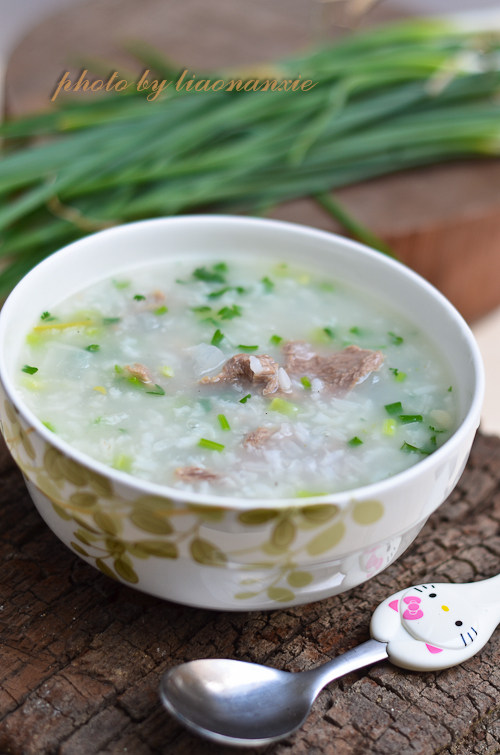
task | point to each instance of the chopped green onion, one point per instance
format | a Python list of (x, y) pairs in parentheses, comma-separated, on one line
[(389, 426), (49, 426), (139, 297), (355, 441), (134, 381), (161, 310), (407, 418), (355, 330), (283, 406), (167, 371), (46, 316), (409, 449), (215, 274), (211, 444), (118, 369), (123, 462), (305, 382), (92, 347), (394, 408), (247, 348), (121, 284), (245, 398), (395, 339), (110, 320), (158, 391), (223, 422), (450, 389), (220, 292), (227, 313), (268, 284), (276, 340), (323, 335), (202, 309), (29, 370), (398, 375), (217, 338)]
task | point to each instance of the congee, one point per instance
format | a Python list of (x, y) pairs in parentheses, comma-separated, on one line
[(234, 378)]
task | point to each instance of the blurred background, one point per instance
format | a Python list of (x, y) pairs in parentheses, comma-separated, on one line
[(442, 220)]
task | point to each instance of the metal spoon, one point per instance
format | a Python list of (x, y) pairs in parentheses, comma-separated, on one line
[(426, 627)]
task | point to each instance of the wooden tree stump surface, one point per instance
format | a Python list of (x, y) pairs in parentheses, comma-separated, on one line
[(81, 656)]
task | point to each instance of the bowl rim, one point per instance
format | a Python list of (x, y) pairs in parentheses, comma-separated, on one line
[(145, 487)]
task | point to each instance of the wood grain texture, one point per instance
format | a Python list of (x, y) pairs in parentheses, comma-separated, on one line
[(81, 656), (443, 221)]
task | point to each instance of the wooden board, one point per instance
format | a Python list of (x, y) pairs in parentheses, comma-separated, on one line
[(442, 221), (82, 656)]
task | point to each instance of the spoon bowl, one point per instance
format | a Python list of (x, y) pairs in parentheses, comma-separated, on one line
[(234, 702), (229, 701)]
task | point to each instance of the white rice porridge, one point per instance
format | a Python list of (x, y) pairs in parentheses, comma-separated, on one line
[(238, 379)]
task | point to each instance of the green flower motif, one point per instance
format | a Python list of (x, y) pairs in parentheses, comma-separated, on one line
[(16, 435)]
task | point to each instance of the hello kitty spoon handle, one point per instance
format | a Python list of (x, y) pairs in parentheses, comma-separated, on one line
[(436, 625)]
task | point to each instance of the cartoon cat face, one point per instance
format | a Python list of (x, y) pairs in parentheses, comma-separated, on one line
[(439, 616)]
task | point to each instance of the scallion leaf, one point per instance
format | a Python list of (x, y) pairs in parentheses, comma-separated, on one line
[(228, 313), (214, 274), (409, 449), (211, 444), (217, 338), (394, 408), (157, 391), (283, 406), (223, 422), (407, 418), (355, 441), (398, 375), (245, 398), (29, 369), (395, 339), (92, 347), (220, 292)]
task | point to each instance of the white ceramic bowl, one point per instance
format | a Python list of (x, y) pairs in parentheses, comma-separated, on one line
[(228, 553)]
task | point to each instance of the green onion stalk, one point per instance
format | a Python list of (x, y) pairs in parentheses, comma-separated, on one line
[(384, 100)]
